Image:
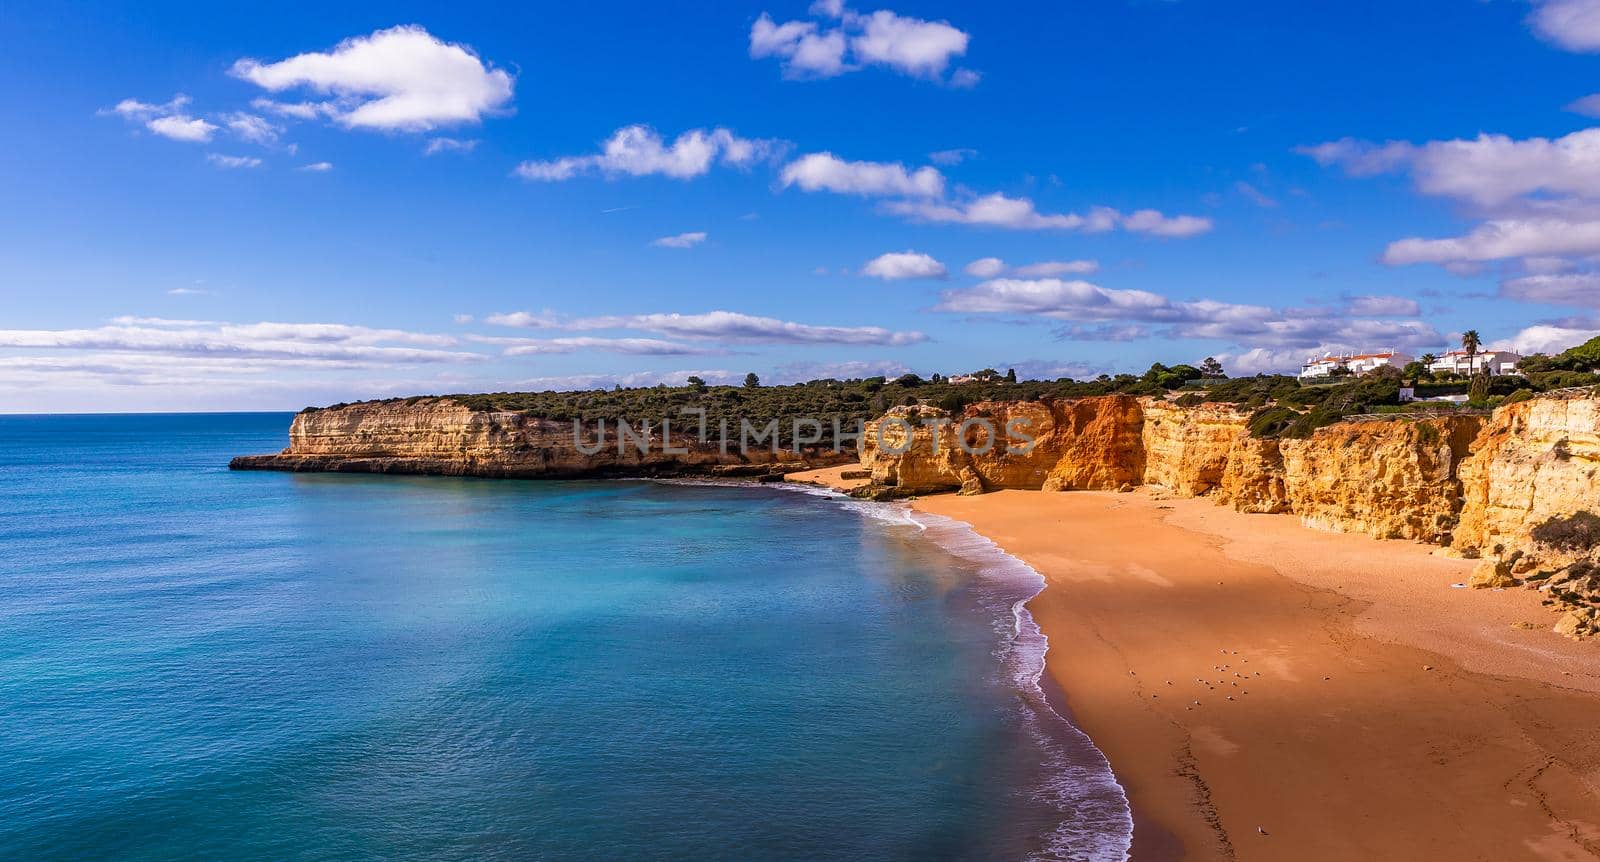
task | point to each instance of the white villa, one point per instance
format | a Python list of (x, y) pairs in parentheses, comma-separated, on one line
[(1495, 362), (1356, 363)]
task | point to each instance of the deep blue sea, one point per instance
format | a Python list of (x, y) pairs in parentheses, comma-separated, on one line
[(202, 664)]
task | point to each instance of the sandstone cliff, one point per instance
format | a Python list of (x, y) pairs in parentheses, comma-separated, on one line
[(440, 436), (1533, 461), (1075, 444)]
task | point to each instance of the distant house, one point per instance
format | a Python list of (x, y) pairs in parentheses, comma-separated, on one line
[(1495, 362), (1357, 364)]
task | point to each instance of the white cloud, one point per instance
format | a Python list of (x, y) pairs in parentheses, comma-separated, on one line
[(591, 344), (1570, 24), (997, 210), (847, 41), (399, 79), (1576, 288), (449, 145), (682, 240), (827, 172), (1050, 268), (724, 326), (1497, 239), (640, 151), (169, 120), (317, 167), (223, 161), (908, 45), (1546, 338), (901, 265), (1081, 301), (252, 128), (985, 267), (308, 344), (1360, 158)]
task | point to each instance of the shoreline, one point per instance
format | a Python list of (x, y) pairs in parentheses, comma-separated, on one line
[(1389, 715)]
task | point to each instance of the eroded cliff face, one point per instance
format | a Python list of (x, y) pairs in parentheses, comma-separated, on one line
[(1394, 479), (1533, 461), (1077, 444), (440, 436), (1187, 449), (1390, 479)]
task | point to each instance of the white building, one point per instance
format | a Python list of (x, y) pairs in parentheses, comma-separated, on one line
[(1495, 362), (1356, 363)]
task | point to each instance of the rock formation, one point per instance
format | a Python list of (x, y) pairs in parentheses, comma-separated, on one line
[(441, 436)]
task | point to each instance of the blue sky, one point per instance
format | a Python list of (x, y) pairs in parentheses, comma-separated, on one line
[(215, 208)]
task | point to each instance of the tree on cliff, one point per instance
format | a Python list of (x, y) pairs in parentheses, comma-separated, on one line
[(1212, 368), (697, 384), (1011, 375), (751, 381)]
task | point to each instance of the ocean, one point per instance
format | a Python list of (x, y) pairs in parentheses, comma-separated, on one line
[(203, 664)]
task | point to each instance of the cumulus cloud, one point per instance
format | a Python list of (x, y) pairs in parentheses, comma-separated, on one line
[(169, 120), (1498, 239), (845, 41), (1570, 24), (399, 79), (639, 151), (1548, 337), (985, 267), (902, 265), (1537, 197), (827, 172), (682, 240), (724, 326)]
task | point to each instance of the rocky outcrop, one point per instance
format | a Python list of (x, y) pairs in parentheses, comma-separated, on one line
[(1188, 449), (1076, 444), (1533, 461), (441, 436), (1253, 479), (1391, 479)]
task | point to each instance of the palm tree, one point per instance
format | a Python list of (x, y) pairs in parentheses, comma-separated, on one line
[(1427, 359), (1470, 342)]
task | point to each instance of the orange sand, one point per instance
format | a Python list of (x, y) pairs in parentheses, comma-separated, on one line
[(1265, 691)]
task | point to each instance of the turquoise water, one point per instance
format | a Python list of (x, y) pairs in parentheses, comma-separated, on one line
[(200, 664)]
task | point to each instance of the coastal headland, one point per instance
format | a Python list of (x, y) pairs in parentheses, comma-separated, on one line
[(1264, 690)]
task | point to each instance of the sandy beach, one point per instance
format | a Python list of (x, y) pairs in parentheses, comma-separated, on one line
[(1267, 691)]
